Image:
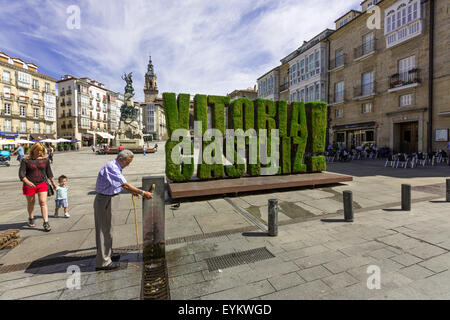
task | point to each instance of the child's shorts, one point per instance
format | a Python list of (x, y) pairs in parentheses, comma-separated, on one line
[(62, 203)]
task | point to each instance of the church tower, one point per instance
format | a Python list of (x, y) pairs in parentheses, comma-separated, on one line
[(151, 88)]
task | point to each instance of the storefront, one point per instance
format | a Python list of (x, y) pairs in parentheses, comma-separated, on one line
[(9, 136), (87, 139), (354, 135)]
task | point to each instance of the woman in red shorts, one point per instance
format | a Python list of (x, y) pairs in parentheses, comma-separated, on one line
[(34, 171)]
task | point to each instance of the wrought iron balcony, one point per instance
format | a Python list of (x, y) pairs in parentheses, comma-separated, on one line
[(337, 62), (399, 80), (365, 49), (337, 97), (365, 90), (284, 86)]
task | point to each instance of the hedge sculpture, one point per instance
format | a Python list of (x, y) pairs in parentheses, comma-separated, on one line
[(300, 146)]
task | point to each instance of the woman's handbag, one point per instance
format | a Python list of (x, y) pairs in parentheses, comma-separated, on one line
[(50, 191)]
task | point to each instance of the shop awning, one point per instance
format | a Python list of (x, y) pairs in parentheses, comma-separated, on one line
[(40, 136), (9, 134), (355, 125), (105, 135)]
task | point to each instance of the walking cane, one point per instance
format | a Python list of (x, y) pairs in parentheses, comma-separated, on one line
[(135, 222)]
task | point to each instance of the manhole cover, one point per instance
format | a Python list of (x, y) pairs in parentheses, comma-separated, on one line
[(238, 258)]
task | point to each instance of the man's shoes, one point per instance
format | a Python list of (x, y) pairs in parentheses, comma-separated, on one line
[(109, 267), (115, 257)]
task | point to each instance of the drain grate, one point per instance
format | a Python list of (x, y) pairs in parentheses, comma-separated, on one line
[(155, 281), (238, 258)]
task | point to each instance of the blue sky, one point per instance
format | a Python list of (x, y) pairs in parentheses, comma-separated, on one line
[(197, 46)]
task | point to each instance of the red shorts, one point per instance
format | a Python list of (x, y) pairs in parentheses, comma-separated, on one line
[(42, 187)]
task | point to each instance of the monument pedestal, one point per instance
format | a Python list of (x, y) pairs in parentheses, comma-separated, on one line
[(130, 143)]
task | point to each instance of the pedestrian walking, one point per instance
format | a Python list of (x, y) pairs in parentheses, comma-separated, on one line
[(121, 148), (51, 151), (144, 149), (20, 153), (34, 172), (110, 182)]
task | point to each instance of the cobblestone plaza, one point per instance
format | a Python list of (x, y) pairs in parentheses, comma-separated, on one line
[(315, 255)]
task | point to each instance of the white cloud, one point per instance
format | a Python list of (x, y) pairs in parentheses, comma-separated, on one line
[(197, 46)]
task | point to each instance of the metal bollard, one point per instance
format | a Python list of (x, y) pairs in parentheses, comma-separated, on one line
[(406, 197), (448, 190), (273, 217), (348, 205)]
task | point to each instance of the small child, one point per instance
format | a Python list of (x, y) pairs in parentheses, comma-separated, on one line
[(61, 197)]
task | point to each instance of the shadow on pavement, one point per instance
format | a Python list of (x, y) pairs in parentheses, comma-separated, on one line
[(332, 220), (255, 234), (60, 262), (392, 210)]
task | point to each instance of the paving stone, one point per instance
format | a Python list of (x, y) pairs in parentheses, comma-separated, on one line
[(439, 284), (382, 253), (393, 239), (286, 281), (221, 205), (416, 272), (187, 268), (185, 280), (362, 248), (318, 259), (437, 264), (204, 288), (426, 251), (101, 287), (34, 290), (267, 269), (338, 266), (306, 291), (406, 259), (314, 273), (394, 280), (127, 293), (46, 296), (313, 210), (303, 252), (173, 260), (385, 265), (340, 280), (245, 292), (403, 293), (325, 205)]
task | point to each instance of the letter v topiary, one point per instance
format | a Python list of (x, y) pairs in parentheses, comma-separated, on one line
[(177, 116)]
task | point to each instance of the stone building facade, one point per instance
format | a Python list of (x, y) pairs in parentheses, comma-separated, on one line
[(87, 111), (379, 78), (27, 101)]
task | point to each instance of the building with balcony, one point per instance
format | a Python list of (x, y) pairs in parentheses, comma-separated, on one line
[(308, 70), (379, 78), (27, 101), (87, 110)]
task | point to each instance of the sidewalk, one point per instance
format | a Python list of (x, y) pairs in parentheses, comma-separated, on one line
[(309, 255), (326, 259)]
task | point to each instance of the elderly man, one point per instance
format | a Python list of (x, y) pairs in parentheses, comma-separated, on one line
[(110, 182)]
